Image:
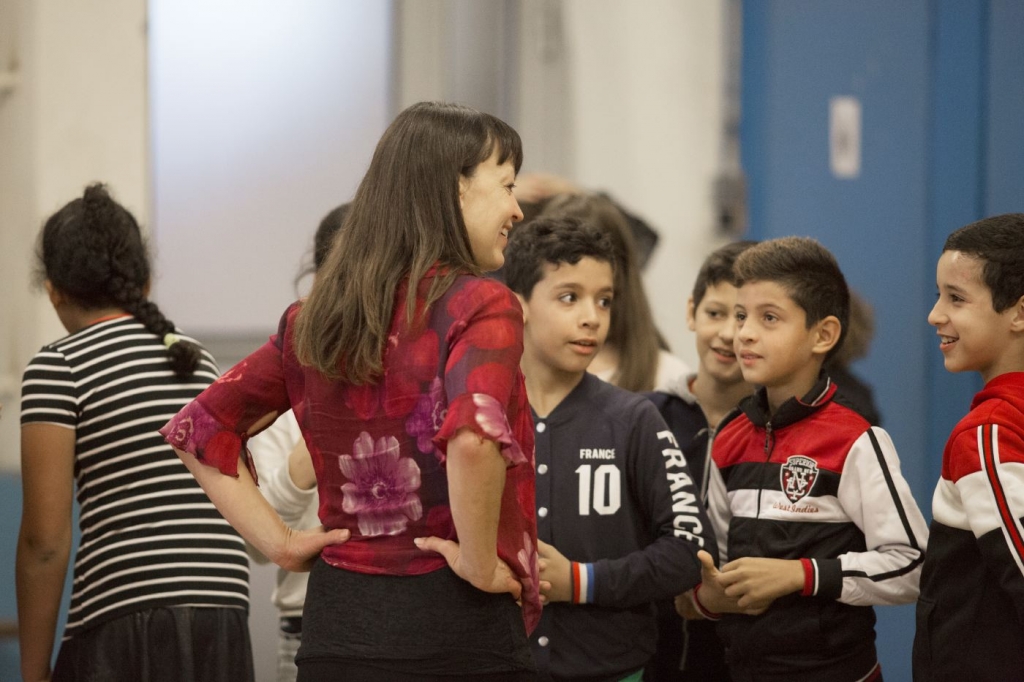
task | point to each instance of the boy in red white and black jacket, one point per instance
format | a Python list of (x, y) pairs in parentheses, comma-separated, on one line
[(970, 617), (814, 521)]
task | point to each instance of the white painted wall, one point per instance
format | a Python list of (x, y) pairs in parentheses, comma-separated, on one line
[(262, 124), (625, 96), (646, 99), (76, 114)]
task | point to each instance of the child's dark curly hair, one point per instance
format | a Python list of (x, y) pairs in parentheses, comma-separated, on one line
[(92, 252), (554, 240)]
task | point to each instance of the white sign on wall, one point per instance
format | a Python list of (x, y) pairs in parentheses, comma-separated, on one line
[(844, 137)]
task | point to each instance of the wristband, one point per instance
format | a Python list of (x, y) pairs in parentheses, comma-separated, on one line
[(572, 582), (809, 578), (707, 613), (582, 578)]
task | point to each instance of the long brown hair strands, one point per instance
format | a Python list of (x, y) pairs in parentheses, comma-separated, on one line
[(405, 218)]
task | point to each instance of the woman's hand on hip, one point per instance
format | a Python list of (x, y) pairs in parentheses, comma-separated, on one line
[(302, 547), (495, 579)]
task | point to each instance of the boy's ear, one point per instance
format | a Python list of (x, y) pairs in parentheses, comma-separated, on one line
[(525, 305), (1017, 320), (827, 333), (691, 314)]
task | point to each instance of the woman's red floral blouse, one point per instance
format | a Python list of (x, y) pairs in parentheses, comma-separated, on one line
[(379, 450)]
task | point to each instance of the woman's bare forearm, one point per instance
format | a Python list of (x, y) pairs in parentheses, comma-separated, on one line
[(245, 508), (476, 480)]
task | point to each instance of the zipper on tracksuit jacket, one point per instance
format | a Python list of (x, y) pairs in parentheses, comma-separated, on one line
[(769, 445)]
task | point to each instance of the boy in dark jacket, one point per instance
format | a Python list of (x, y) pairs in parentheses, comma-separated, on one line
[(970, 617), (815, 523), (619, 517), (689, 651)]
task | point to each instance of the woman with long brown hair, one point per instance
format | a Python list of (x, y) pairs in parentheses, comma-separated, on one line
[(402, 369)]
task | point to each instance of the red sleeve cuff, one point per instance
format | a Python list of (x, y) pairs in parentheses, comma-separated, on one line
[(810, 578), (485, 416), (199, 433)]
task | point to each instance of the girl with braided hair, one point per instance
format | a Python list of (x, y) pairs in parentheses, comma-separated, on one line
[(160, 578)]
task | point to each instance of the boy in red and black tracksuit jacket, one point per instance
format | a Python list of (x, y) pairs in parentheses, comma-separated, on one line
[(814, 521), (970, 617), (814, 482)]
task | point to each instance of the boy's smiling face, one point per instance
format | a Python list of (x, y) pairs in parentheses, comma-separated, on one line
[(567, 315), (713, 321), (972, 335), (775, 346)]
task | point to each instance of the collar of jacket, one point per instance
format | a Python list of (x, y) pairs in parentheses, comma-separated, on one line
[(791, 411)]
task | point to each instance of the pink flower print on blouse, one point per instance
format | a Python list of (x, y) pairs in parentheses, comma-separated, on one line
[(528, 560), (427, 417), (490, 417), (179, 432), (235, 373), (382, 485)]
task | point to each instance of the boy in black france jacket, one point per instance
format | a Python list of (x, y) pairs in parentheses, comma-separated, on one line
[(814, 521), (618, 514), (694, 409)]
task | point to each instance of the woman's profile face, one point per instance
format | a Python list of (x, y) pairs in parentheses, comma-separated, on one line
[(489, 209)]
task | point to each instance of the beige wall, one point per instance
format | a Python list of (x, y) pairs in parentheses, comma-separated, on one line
[(76, 113), (621, 96), (646, 99)]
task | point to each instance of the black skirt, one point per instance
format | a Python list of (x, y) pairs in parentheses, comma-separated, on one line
[(165, 644), (432, 624)]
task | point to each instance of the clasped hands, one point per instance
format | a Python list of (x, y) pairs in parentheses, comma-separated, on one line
[(747, 585)]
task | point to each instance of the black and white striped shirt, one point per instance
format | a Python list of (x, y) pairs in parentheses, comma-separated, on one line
[(149, 534)]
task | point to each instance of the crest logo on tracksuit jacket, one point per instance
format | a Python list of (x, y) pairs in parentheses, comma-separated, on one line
[(798, 476)]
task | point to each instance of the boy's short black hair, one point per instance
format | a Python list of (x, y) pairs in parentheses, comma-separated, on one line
[(999, 242), (807, 271), (552, 240), (718, 268)]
